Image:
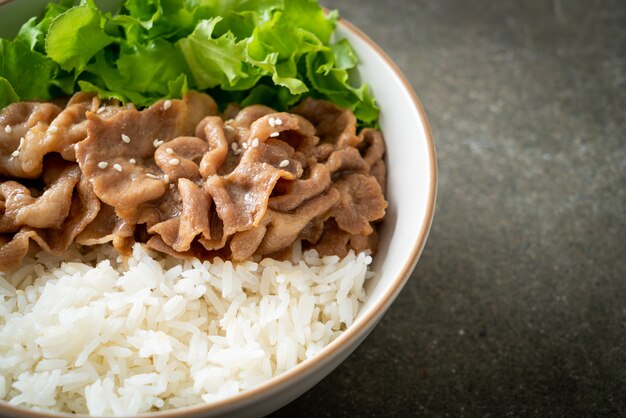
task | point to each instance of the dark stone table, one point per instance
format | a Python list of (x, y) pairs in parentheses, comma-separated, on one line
[(517, 306)]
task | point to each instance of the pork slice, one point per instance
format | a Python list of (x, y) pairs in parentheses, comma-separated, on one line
[(291, 129), (312, 231), (194, 218), (154, 212), (362, 202), (371, 145), (225, 140), (360, 243), (246, 116), (333, 240), (244, 244), (124, 174), (333, 124), (379, 172), (167, 230), (197, 106), (179, 232), (322, 151), (278, 231), (231, 111), (22, 123), (180, 157), (213, 132), (237, 130), (69, 127), (108, 227), (241, 197), (372, 148), (84, 209), (46, 211), (284, 228), (196, 251), (295, 192), (117, 156), (217, 239), (13, 249), (345, 160)]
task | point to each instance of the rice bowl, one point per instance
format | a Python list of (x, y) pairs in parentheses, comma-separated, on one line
[(402, 239)]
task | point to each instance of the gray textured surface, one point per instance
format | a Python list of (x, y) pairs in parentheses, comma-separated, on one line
[(518, 304)]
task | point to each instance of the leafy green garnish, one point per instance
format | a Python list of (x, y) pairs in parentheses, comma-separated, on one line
[(75, 36), (273, 52), (7, 94), (29, 72)]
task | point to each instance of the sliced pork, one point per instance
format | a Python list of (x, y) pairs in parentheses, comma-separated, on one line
[(186, 181)]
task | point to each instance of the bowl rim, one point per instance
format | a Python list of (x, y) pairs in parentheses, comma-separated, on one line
[(353, 332)]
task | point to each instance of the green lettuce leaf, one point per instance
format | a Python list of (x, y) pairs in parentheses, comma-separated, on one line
[(333, 82), (33, 32), (215, 61), (273, 52), (88, 87), (310, 17), (29, 72), (149, 67), (7, 93), (75, 36)]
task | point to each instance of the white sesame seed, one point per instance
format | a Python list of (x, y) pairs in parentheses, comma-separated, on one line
[(8, 129), (103, 164), (167, 104), (117, 167), (15, 154), (283, 163), (125, 139), (152, 176), (166, 178), (19, 147), (271, 122), (132, 161), (169, 151), (229, 128), (234, 146), (53, 129), (245, 145), (255, 142), (274, 134), (278, 121), (174, 161), (157, 143), (100, 110)]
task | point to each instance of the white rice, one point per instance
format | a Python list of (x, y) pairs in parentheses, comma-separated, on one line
[(88, 335)]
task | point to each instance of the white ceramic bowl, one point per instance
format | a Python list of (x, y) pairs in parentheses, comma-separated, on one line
[(411, 191)]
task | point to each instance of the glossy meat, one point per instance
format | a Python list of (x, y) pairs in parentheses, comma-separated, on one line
[(185, 181)]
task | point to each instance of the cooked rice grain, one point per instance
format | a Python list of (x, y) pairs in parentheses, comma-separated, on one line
[(144, 334)]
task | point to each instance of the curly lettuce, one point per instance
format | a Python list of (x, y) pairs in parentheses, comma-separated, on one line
[(273, 52)]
